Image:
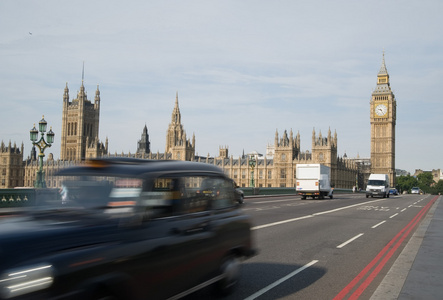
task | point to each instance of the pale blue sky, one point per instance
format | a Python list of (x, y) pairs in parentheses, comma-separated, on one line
[(242, 69)]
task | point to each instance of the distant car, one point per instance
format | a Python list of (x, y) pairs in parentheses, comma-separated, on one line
[(393, 192), (415, 190), (127, 229)]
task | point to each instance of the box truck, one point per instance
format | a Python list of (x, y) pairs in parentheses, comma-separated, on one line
[(313, 180), (378, 185)]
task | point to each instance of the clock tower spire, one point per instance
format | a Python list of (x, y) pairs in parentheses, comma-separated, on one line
[(383, 114)]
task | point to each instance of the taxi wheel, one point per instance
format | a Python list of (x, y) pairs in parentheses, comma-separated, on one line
[(230, 269)]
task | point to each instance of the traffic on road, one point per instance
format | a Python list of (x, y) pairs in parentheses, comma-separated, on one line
[(325, 249), (125, 229)]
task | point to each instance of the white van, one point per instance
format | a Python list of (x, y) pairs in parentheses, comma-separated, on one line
[(378, 185)]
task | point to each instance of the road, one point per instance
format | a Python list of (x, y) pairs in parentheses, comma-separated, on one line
[(325, 249)]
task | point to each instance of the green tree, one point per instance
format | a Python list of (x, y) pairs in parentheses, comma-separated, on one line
[(438, 187), (405, 183), (425, 181)]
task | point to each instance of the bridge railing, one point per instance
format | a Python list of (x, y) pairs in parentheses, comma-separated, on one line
[(23, 197), (250, 191)]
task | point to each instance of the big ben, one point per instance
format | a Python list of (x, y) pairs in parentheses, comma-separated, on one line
[(383, 108)]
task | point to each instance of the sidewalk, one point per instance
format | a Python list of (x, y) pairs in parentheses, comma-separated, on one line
[(418, 271)]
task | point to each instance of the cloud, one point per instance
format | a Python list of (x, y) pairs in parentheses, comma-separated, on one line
[(242, 69)]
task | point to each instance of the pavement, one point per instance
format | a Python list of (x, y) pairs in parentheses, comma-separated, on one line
[(418, 271)]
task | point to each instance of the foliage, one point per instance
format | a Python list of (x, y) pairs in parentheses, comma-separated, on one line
[(424, 181), (405, 183), (438, 188)]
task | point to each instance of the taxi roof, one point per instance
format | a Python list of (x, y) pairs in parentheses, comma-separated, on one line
[(125, 166)]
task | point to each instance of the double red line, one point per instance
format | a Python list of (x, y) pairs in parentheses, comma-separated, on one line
[(394, 243)]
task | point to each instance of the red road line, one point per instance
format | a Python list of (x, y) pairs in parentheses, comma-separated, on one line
[(366, 283)]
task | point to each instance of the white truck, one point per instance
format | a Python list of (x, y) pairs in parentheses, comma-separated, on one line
[(378, 185), (313, 180)]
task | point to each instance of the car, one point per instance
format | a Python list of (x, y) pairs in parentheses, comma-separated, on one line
[(393, 192), (415, 190), (127, 229)]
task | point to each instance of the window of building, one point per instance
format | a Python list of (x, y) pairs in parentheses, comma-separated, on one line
[(282, 173), (269, 174)]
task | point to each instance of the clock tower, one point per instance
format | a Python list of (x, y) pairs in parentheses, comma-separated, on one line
[(383, 107)]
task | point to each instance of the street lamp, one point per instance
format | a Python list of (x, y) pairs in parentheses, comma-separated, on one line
[(252, 164), (42, 145)]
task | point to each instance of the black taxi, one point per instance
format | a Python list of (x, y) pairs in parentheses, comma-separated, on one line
[(127, 229)]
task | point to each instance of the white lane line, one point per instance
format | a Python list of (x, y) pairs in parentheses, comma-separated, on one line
[(281, 280), (345, 207), (313, 215), (410, 205), (280, 222), (376, 225), (348, 241), (393, 216), (272, 201), (403, 210)]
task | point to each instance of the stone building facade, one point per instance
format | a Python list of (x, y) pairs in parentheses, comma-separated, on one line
[(79, 142), (279, 168), (80, 127), (11, 162)]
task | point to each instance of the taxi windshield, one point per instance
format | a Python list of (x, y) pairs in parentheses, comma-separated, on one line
[(94, 192)]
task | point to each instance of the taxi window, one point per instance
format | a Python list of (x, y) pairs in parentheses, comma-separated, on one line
[(170, 196)]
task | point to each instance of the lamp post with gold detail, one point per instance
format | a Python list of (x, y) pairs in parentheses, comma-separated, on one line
[(42, 145)]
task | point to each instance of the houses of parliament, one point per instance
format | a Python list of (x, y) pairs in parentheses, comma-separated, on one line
[(80, 142)]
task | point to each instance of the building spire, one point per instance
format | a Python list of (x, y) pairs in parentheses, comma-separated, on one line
[(83, 72), (383, 70)]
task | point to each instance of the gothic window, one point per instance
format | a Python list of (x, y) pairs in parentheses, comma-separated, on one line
[(283, 157), (269, 174), (282, 173)]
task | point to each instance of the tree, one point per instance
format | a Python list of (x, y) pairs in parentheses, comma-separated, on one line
[(405, 183), (438, 187), (425, 181)]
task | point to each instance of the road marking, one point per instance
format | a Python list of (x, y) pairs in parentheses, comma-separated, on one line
[(392, 246), (403, 210), (376, 225), (281, 280), (313, 215), (272, 201), (393, 216), (350, 240), (280, 222), (345, 207)]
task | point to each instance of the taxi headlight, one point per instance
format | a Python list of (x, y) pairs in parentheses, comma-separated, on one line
[(25, 280)]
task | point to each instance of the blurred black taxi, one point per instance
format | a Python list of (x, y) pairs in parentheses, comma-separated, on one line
[(127, 229)]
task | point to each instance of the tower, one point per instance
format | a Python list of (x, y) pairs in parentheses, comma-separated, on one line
[(383, 112), (324, 149), (80, 124), (176, 142), (143, 146)]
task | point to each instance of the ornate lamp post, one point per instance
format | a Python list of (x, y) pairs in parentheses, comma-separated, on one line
[(42, 145), (252, 164)]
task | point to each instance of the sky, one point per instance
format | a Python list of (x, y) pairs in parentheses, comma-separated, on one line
[(242, 71)]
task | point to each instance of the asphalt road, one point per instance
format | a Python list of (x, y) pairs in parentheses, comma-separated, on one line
[(325, 249)]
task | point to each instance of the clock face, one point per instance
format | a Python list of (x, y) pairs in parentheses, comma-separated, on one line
[(381, 110)]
